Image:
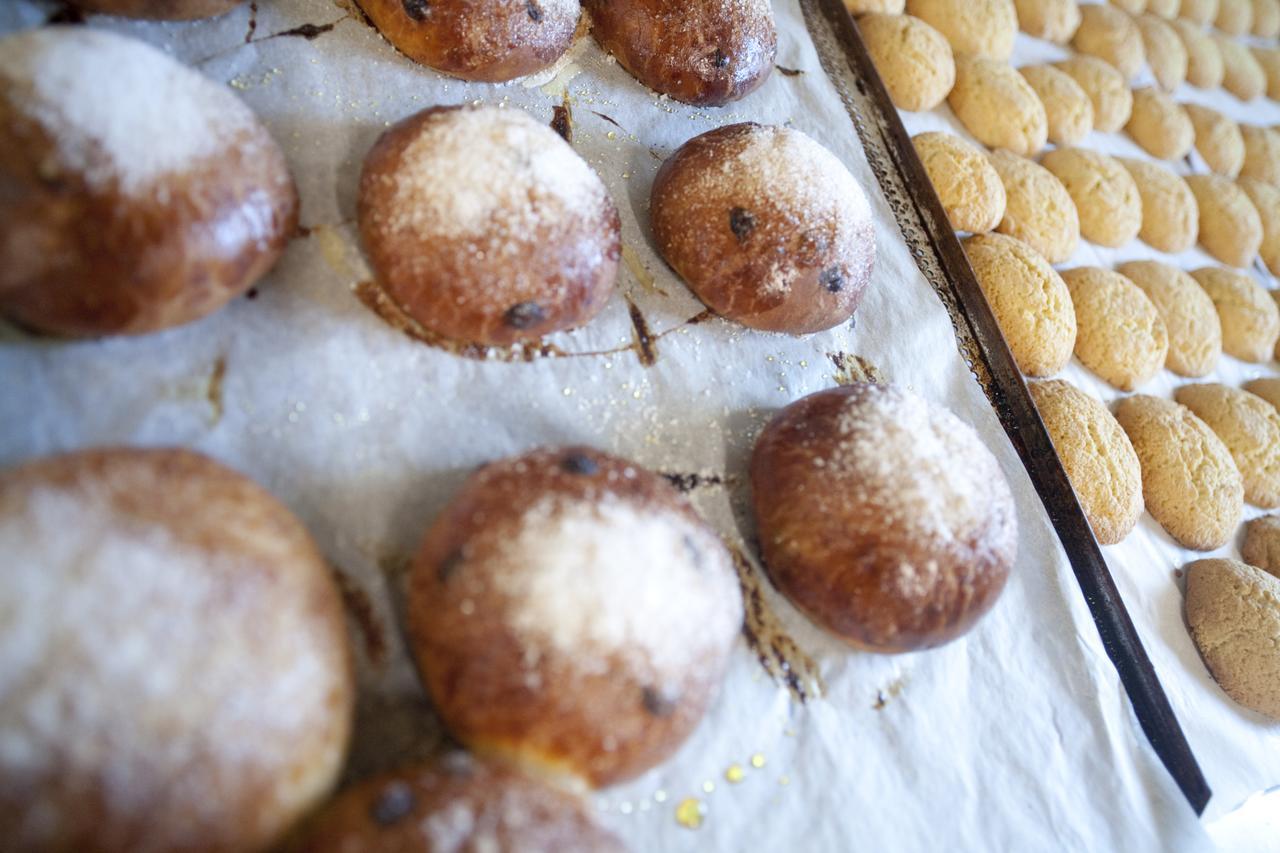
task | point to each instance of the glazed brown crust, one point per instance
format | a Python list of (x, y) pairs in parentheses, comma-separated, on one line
[(160, 10), (701, 52), (487, 40)]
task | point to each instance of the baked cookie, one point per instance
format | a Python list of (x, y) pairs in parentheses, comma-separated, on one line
[(766, 227), (1121, 337), (878, 7), (1250, 428), (1250, 318), (1242, 76), (977, 28), (1190, 485), (1233, 611), (1160, 125), (1133, 7), (1104, 193), (161, 10), (1235, 17), (1266, 18), (966, 183), (1191, 321), (1205, 69), (1096, 453), (1269, 61), (1198, 12), (997, 106), (1038, 209), (1066, 106), (1218, 139), (1266, 200), (1230, 228), (1111, 35), (1164, 9), (1051, 20), (1261, 546), (1164, 50), (1268, 388), (1106, 87), (1030, 302), (1261, 154), (1170, 217), (912, 58)]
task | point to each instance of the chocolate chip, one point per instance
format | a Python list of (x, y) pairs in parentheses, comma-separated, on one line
[(524, 315), (579, 463), (741, 223), (395, 803), (419, 10), (719, 59), (832, 279), (655, 703), (449, 566), (535, 12)]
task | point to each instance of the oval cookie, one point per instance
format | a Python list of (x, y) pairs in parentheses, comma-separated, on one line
[(1120, 335), (1249, 316), (1104, 193), (1191, 321), (1038, 209)]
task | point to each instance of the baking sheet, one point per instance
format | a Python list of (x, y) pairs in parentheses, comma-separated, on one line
[(1017, 735)]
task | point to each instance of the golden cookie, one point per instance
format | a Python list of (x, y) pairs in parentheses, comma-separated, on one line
[(1189, 483), (1170, 216), (1066, 106), (966, 183), (1191, 321), (1266, 18), (1242, 76), (1250, 428), (881, 7), (1230, 228), (1235, 17), (1198, 12), (1038, 209), (1104, 193), (1269, 62), (1233, 611), (1051, 20), (1133, 7), (981, 28), (1268, 388), (1159, 125), (1166, 9), (1218, 139), (1111, 35), (1165, 52), (1261, 154), (1029, 299), (1266, 200), (1261, 546), (1106, 87), (1204, 59), (1250, 317), (1121, 337), (912, 58), (1096, 453), (997, 106)]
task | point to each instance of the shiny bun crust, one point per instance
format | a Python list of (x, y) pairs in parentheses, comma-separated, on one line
[(571, 612), (882, 517), (161, 10)]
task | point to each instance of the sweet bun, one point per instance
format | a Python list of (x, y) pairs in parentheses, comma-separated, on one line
[(980, 28), (177, 673), (1200, 13), (571, 612), (998, 106), (486, 227), (1160, 125), (703, 52), (1038, 209), (1106, 87), (1164, 50), (1121, 337), (766, 226), (135, 194), (1066, 106), (1250, 428), (1170, 216), (1195, 332), (1111, 35), (1205, 69), (1242, 76), (1105, 194), (1250, 318), (162, 10), (884, 518), (1261, 153), (1230, 227), (965, 181), (911, 57), (1051, 20), (1218, 139)]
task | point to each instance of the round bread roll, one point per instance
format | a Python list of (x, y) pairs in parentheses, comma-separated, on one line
[(1106, 87), (1261, 546), (913, 59), (1249, 316), (1266, 18), (1218, 139), (1164, 51), (177, 675), (1121, 337), (1030, 302), (1111, 35), (1235, 17), (1191, 321), (1269, 61), (1190, 485), (455, 803), (881, 7), (766, 227), (976, 28), (966, 183), (1133, 7), (485, 226), (882, 517), (1266, 200), (489, 40), (1250, 428), (1261, 154), (1097, 456), (1038, 209), (1066, 106), (704, 52), (1104, 194), (1051, 20), (1160, 125), (137, 195), (1198, 12), (163, 10), (1268, 388), (1233, 611), (570, 611), (997, 106), (1205, 69), (1242, 76), (1230, 228), (1170, 216)]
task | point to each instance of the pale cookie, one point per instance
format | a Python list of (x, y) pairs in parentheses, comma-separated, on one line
[(1030, 302), (1198, 12), (1242, 76), (913, 59), (1190, 485), (881, 7), (983, 28), (1099, 460), (1111, 35), (1269, 61), (1164, 50), (966, 183), (1261, 546), (1038, 209), (1235, 17), (1120, 335), (1218, 139), (1230, 228), (1268, 388), (1051, 20), (1250, 428), (1159, 125), (997, 106), (1250, 317), (1066, 106), (1266, 18), (1266, 200), (1204, 59), (1170, 216), (1133, 7), (1191, 321), (1104, 193), (1261, 154), (1106, 87), (1233, 610)]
